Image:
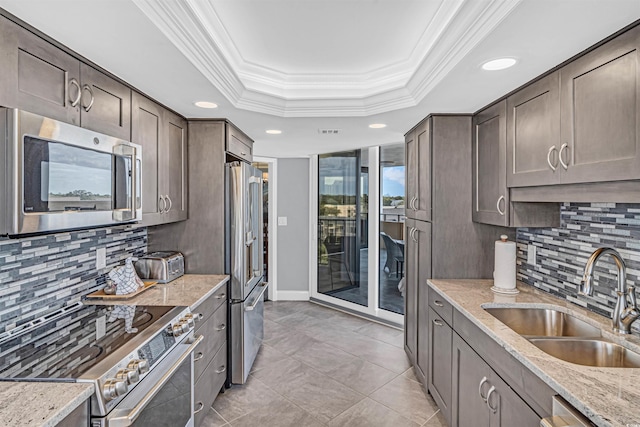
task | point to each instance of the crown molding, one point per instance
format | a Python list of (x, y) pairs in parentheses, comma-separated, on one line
[(454, 30)]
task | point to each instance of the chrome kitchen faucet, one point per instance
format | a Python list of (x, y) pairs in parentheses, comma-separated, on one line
[(626, 310)]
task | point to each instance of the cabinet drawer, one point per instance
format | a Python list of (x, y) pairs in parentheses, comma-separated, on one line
[(441, 306), (214, 330), (239, 144), (209, 384), (208, 306)]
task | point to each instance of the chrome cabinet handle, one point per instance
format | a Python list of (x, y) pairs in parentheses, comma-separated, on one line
[(75, 83), (551, 150), (221, 296), (170, 203), (413, 234), (199, 356), (482, 382), (88, 89), (221, 369), (162, 204), (438, 322), (222, 327), (500, 211), (438, 303), (564, 147), (415, 203), (200, 408), (491, 391)]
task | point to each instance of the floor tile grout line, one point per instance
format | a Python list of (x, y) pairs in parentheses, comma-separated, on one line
[(431, 417), (223, 418)]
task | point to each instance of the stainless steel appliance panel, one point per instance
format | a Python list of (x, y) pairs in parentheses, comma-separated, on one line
[(58, 176), (244, 186), (247, 334), (161, 266), (164, 397)]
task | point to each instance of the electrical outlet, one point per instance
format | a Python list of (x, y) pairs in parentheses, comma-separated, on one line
[(101, 327), (532, 251), (282, 220), (101, 258)]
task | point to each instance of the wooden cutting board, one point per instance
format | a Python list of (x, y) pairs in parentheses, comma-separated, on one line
[(100, 294)]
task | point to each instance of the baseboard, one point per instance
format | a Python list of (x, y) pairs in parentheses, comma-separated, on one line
[(292, 295)]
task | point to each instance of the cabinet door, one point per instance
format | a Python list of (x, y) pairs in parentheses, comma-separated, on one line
[(506, 408), (239, 144), (411, 172), (105, 104), (533, 134), (37, 76), (411, 291), (146, 130), (490, 194), (470, 384), (440, 341), (600, 110), (422, 239), (175, 166), (418, 146)]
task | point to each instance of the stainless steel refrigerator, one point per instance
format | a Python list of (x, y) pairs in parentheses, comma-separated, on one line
[(244, 263)]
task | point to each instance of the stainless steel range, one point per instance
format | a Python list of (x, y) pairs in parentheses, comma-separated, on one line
[(140, 360)]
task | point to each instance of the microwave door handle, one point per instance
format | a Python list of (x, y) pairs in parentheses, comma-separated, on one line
[(130, 418)]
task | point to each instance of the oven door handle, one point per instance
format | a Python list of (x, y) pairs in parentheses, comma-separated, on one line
[(130, 418)]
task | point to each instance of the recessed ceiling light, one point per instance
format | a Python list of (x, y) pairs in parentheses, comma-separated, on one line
[(377, 125), (499, 64), (274, 131), (206, 104)]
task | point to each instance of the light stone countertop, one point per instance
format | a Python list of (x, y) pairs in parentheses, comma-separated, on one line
[(189, 291), (42, 404), (607, 396)]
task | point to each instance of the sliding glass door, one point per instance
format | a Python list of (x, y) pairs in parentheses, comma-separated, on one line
[(342, 231), (348, 255)]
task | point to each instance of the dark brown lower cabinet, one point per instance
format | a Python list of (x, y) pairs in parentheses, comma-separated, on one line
[(480, 397)]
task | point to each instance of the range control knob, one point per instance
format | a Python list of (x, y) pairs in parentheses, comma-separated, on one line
[(129, 376), (140, 365), (176, 330), (184, 324), (189, 319), (113, 388)]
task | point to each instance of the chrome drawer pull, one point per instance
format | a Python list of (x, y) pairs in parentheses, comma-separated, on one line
[(222, 327), (199, 356), (482, 382), (200, 408), (221, 296), (438, 322), (438, 303), (221, 369)]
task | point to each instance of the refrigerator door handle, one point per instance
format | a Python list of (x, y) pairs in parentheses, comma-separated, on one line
[(258, 298)]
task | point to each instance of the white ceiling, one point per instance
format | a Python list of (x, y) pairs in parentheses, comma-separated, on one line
[(301, 65)]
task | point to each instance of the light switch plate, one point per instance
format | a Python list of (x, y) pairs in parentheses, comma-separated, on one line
[(532, 251), (101, 258), (282, 220)]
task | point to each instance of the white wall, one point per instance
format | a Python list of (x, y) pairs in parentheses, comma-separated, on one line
[(293, 239)]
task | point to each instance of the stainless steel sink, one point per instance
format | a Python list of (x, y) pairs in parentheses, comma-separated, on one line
[(538, 322), (589, 352)]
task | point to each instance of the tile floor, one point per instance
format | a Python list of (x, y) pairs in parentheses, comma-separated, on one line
[(322, 367)]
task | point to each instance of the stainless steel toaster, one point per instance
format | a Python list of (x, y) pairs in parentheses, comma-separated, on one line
[(161, 266)]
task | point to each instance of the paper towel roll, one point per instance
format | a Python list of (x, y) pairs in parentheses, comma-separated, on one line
[(504, 272)]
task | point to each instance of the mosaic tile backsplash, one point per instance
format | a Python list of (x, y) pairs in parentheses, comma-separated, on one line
[(563, 252), (39, 275)]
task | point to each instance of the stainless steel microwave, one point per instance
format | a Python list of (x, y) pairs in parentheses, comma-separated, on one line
[(56, 176)]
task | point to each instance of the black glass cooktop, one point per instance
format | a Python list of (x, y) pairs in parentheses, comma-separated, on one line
[(70, 345)]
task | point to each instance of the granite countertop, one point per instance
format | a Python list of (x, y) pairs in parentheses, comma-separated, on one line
[(607, 396), (40, 403), (188, 290)]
